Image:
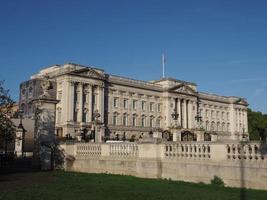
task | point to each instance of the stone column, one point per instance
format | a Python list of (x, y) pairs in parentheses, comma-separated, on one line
[(70, 102), (44, 135), (184, 114), (101, 103), (168, 112), (67, 101), (246, 120), (90, 102), (190, 114), (179, 111), (232, 120), (80, 103), (238, 119)]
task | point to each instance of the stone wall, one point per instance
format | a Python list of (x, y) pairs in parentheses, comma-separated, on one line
[(238, 164)]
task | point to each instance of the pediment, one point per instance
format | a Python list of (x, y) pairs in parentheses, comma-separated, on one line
[(90, 73), (182, 88)]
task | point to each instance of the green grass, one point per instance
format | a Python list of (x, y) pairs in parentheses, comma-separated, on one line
[(67, 185)]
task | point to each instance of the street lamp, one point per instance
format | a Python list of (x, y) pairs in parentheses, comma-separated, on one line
[(20, 135), (198, 117)]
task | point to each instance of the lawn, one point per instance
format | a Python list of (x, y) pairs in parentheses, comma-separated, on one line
[(67, 185)]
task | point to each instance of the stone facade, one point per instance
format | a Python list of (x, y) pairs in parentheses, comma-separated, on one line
[(131, 109)]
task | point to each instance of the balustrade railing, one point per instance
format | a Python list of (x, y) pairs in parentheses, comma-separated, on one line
[(88, 149), (246, 151), (187, 150), (123, 150)]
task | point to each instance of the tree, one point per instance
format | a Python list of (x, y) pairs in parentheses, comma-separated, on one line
[(7, 128), (257, 125)]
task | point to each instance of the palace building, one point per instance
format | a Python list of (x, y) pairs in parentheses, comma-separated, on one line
[(131, 109)]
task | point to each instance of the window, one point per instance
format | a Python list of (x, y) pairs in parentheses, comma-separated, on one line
[(228, 127), (222, 115), (227, 116), (115, 119), (115, 102), (124, 120), (218, 114), (134, 104), (143, 121), (151, 106), (143, 105), (223, 126), (159, 107), (134, 120), (218, 126), (125, 103), (151, 122), (207, 113), (212, 114), (158, 122)]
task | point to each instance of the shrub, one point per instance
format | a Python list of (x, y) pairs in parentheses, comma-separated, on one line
[(217, 181)]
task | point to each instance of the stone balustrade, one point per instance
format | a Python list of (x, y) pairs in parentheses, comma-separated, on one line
[(238, 164), (252, 151), (123, 150), (88, 149), (187, 150)]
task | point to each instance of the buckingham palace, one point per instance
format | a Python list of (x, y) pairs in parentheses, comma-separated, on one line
[(130, 109)]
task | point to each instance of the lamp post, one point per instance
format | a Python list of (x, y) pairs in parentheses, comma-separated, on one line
[(198, 117), (175, 116), (20, 135), (96, 123)]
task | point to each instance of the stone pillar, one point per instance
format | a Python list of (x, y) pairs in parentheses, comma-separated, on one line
[(80, 103), (101, 103), (179, 111), (44, 136), (168, 112), (70, 102), (246, 121), (232, 120), (174, 136), (238, 120), (20, 140), (190, 114), (90, 102), (184, 114)]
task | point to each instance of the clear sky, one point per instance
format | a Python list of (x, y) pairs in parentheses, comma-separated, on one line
[(219, 44)]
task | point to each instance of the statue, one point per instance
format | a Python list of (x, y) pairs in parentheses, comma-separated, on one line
[(46, 85)]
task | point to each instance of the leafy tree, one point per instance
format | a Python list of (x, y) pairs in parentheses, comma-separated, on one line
[(257, 125), (7, 128)]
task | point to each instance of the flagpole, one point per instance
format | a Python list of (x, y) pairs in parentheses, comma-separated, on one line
[(163, 66)]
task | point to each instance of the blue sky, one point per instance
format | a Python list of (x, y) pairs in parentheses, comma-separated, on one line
[(220, 45)]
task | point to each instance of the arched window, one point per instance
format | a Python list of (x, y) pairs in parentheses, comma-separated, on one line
[(158, 122), (223, 126), (143, 121), (151, 121), (125, 119), (207, 125), (134, 120), (218, 126), (212, 128)]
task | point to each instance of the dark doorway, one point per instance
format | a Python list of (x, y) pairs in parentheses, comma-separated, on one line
[(188, 136)]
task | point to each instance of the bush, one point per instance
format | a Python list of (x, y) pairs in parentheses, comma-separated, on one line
[(217, 181)]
